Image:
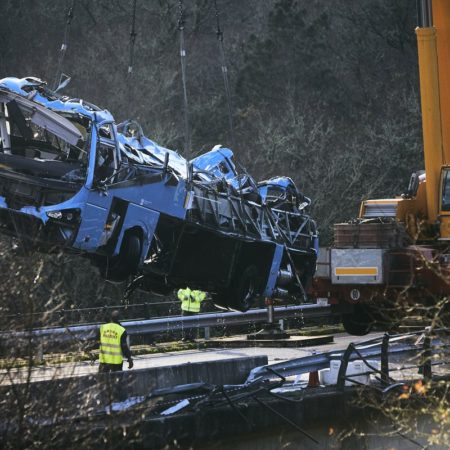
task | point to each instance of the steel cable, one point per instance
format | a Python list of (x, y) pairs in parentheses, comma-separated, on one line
[(187, 137), (62, 52)]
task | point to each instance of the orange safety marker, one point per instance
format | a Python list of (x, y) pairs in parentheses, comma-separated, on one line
[(313, 380)]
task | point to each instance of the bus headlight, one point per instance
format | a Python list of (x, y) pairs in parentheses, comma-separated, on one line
[(67, 215)]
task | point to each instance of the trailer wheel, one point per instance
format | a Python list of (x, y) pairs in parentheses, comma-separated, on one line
[(359, 322), (126, 262)]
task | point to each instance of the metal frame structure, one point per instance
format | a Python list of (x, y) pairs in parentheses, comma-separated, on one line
[(248, 219)]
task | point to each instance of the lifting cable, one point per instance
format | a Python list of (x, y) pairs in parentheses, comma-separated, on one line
[(62, 52), (133, 35), (181, 23), (219, 34)]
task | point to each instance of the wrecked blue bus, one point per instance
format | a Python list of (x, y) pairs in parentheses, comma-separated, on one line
[(73, 180)]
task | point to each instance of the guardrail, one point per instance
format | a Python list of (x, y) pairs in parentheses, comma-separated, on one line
[(171, 324), (377, 348)]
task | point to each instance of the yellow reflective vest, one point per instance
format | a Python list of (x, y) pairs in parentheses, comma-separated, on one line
[(191, 300), (110, 348)]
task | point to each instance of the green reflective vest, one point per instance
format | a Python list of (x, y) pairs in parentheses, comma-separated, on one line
[(191, 300), (110, 349)]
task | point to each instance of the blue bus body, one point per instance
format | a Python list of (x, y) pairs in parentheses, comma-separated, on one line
[(71, 179)]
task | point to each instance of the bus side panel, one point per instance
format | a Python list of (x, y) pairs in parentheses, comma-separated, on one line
[(92, 224)]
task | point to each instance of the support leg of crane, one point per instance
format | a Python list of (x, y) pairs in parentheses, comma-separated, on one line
[(271, 330)]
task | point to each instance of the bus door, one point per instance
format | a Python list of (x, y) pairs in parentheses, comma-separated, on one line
[(97, 219)]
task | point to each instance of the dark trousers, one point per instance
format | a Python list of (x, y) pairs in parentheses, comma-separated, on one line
[(114, 387), (105, 368), (188, 334)]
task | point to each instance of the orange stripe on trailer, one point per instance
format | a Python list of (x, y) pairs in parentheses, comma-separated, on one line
[(356, 271)]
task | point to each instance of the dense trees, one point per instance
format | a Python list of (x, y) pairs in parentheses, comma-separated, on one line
[(330, 91)]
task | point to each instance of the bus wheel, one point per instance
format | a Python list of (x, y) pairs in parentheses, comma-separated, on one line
[(241, 293), (359, 322), (245, 289), (126, 262)]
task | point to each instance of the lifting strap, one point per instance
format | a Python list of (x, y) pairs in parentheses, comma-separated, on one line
[(133, 35), (62, 52), (187, 137), (219, 34)]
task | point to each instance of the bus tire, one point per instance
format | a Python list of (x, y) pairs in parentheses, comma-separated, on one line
[(126, 262), (245, 289)]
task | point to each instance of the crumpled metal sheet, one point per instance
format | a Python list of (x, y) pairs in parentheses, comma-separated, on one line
[(36, 90), (43, 117), (212, 168)]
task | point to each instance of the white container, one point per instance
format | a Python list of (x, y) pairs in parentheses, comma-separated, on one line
[(324, 377), (354, 368)]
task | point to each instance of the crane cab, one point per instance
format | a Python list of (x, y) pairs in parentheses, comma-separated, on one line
[(444, 204)]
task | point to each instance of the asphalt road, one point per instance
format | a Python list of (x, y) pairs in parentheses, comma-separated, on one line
[(274, 355)]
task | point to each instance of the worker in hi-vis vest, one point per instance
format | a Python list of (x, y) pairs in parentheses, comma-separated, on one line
[(191, 301), (114, 345)]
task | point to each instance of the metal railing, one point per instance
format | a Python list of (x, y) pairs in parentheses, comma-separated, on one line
[(417, 343), (171, 324)]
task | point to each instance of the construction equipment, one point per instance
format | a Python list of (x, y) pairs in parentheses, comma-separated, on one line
[(401, 245)]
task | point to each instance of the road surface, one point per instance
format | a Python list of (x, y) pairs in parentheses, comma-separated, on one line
[(274, 355)]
